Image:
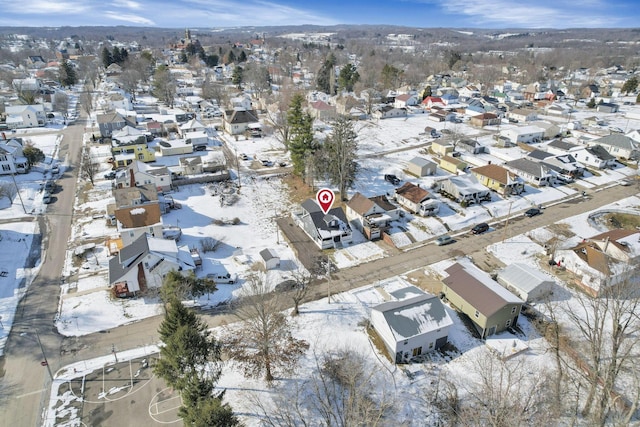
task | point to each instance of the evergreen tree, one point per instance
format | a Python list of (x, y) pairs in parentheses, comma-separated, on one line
[(638, 99), (390, 76), (107, 58), (630, 85), (301, 142), (117, 55), (237, 76), (68, 75), (591, 103), (426, 92), (348, 77), (242, 57), (231, 57), (208, 412), (325, 80), (211, 60), (339, 153), (183, 57), (33, 154)]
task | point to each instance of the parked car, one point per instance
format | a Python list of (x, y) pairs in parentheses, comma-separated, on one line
[(46, 199), (267, 163), (532, 212), (244, 156), (55, 169), (110, 175), (444, 240), (480, 228), (392, 179)]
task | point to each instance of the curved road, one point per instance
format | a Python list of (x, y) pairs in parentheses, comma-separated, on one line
[(26, 383)]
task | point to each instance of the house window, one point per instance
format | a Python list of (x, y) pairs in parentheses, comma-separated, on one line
[(513, 310), (416, 351), (406, 342), (430, 345), (3, 158), (131, 234), (477, 314), (6, 168), (508, 323)]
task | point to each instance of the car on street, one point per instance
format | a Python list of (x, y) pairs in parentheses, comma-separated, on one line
[(532, 212), (244, 156), (444, 240), (480, 228), (267, 163), (392, 179), (625, 182), (55, 169), (110, 175), (46, 199)]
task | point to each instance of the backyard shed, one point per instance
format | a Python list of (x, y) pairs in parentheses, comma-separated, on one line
[(270, 259), (419, 166), (526, 282)]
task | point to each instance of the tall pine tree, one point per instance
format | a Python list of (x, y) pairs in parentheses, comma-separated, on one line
[(301, 142)]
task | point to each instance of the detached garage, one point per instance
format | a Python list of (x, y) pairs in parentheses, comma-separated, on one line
[(526, 282), (420, 167)]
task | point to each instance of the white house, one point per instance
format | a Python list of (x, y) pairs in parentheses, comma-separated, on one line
[(25, 116), (594, 156), (388, 112), (371, 215), (532, 172), (620, 146), (134, 221), (413, 326), (145, 262), (12, 159), (139, 173), (416, 199), (526, 134), (330, 230), (528, 283)]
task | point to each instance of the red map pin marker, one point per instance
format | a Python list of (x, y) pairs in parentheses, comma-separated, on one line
[(325, 198)]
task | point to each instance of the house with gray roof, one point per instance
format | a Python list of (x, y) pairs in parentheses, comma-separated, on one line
[(411, 326), (144, 263), (237, 121), (330, 230), (619, 146), (371, 215), (465, 189), (531, 171), (490, 307), (595, 156), (110, 122), (419, 166)]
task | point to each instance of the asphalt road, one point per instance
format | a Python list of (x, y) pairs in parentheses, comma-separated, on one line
[(24, 388), (26, 383)]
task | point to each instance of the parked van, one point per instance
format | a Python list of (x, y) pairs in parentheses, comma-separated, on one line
[(223, 278)]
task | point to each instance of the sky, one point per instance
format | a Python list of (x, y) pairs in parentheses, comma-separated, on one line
[(412, 13)]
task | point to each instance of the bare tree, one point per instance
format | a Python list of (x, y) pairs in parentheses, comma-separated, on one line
[(608, 336), (61, 103), (86, 99), (502, 393), (262, 344), (345, 390), (302, 281), (89, 167)]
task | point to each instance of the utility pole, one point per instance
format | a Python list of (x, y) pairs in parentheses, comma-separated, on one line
[(328, 265), (45, 362), (18, 192), (506, 224), (113, 350)]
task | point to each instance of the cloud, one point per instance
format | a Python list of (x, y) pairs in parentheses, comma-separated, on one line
[(134, 19), (127, 4), (44, 7), (540, 14)]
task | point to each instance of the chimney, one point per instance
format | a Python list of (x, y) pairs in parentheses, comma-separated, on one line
[(606, 244)]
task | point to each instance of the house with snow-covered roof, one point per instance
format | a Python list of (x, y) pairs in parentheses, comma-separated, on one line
[(134, 221), (371, 215), (330, 230), (619, 146), (143, 263), (12, 159), (528, 283), (411, 326)]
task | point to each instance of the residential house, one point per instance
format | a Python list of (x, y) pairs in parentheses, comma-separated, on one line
[(29, 84), (412, 326), (442, 147), (433, 102), (190, 165), (322, 111), (526, 134), (12, 159), (620, 146), (25, 116), (471, 146), (526, 282), (531, 171), (465, 189), (129, 144), (328, 230), (405, 100), (214, 161), (499, 179), (143, 263), (565, 164), (490, 307), (371, 215), (155, 128), (419, 166), (134, 221), (416, 199), (110, 122), (522, 115), (485, 119), (595, 156), (603, 260), (192, 126), (607, 107), (237, 121), (453, 164), (175, 147), (469, 91), (441, 115), (139, 173), (389, 112), (550, 130), (559, 147)]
